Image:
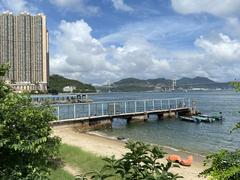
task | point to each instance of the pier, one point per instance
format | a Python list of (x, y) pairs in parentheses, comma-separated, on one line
[(101, 114)]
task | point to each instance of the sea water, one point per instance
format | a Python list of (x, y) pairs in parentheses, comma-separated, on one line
[(195, 137)]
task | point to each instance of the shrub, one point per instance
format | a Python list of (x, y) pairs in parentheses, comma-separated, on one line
[(141, 162), (27, 148), (225, 165)]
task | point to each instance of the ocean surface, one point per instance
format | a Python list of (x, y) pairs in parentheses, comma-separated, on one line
[(199, 138)]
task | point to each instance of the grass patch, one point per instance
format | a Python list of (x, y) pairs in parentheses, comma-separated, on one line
[(81, 159), (60, 174)]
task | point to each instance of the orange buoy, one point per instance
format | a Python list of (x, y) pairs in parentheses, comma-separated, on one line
[(174, 158), (187, 162)]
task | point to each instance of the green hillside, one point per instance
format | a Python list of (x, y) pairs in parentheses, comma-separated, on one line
[(57, 83), (133, 84)]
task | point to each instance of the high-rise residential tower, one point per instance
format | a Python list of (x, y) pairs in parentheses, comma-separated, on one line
[(24, 46)]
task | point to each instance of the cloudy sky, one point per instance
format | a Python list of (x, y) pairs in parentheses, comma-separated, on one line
[(95, 41)]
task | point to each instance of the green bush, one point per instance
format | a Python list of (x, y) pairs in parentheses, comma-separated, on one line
[(27, 148), (225, 165), (141, 162)]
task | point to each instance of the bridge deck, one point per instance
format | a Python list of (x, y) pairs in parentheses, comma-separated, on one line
[(119, 109)]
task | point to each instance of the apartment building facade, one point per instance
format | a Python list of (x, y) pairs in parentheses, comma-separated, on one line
[(24, 46)]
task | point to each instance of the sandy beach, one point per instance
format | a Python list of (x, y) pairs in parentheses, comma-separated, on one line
[(103, 146)]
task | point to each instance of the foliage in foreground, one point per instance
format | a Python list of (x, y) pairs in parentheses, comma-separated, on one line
[(27, 148), (141, 162), (224, 165)]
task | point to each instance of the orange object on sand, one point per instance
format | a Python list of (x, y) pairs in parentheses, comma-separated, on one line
[(187, 162), (174, 158)]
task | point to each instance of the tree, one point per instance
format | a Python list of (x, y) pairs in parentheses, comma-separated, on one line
[(53, 91), (27, 148), (141, 162), (224, 165)]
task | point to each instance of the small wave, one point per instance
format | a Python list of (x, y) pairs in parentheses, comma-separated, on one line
[(172, 148), (183, 150), (101, 134)]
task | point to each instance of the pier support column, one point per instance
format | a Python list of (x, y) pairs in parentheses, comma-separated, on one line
[(187, 112), (171, 114), (86, 125), (100, 123), (160, 116), (138, 118), (168, 114)]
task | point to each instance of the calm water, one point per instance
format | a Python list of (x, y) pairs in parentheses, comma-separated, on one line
[(201, 138)]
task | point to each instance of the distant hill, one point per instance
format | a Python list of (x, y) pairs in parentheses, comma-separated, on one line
[(196, 80), (130, 81), (57, 83), (200, 82), (133, 84)]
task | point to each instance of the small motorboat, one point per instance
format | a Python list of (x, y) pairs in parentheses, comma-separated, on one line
[(214, 117), (217, 117), (197, 119), (204, 118), (190, 119)]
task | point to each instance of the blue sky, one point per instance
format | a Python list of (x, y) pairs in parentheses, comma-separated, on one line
[(96, 41)]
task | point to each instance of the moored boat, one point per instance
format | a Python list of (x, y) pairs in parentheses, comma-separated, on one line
[(215, 117), (190, 119), (203, 118), (218, 117)]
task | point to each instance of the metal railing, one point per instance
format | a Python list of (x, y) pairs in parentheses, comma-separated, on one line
[(117, 108)]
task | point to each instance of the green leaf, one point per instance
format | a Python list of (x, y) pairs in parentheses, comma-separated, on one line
[(27, 147)]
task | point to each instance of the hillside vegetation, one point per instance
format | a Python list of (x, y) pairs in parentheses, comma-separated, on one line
[(133, 84), (57, 83)]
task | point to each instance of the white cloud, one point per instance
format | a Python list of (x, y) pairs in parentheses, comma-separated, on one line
[(81, 56), (217, 58), (175, 31), (76, 6), (215, 7), (17, 6), (224, 48), (136, 59), (221, 55), (120, 5)]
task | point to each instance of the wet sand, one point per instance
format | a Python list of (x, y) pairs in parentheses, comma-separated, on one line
[(103, 146)]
